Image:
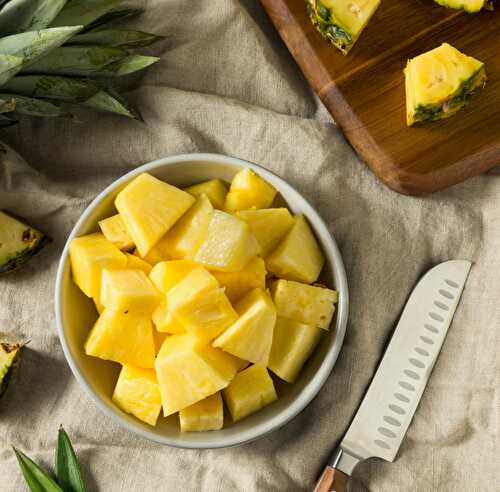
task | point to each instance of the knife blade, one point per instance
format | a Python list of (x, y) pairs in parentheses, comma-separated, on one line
[(381, 422)]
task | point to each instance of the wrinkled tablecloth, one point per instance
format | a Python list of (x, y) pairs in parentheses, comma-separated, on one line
[(227, 84)]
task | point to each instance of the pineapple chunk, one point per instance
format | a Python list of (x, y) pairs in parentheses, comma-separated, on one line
[(229, 245), (89, 256), (237, 284), (250, 338), (122, 337), (154, 256), (205, 415), (114, 231), (167, 274), (308, 304), (186, 236), (137, 392), (215, 190), (470, 6), (268, 225), (188, 371), (248, 190), (165, 322), (293, 343), (128, 290), (298, 256), (249, 391), (149, 208), (158, 338), (137, 263)]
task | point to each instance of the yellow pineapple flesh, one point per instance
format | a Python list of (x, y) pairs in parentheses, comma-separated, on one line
[(114, 231), (136, 263), (215, 190), (205, 415), (165, 322), (167, 274)]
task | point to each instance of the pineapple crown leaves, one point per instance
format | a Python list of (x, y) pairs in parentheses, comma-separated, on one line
[(60, 52)]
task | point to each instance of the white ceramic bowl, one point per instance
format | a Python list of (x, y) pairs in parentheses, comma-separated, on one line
[(75, 313)]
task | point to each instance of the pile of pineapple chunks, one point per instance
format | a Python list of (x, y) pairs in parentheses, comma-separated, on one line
[(201, 292)]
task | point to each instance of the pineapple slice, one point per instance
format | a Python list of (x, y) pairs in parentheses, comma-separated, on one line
[(149, 208), (185, 238), (268, 225), (165, 322), (298, 256), (89, 255), (136, 263), (293, 343), (470, 6), (248, 190), (188, 371), (440, 82), (215, 190), (341, 21), (137, 392), (167, 274), (205, 415), (250, 338), (229, 245), (123, 337), (308, 304), (249, 391), (237, 284), (114, 231)]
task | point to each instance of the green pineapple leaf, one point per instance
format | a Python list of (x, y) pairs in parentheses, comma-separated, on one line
[(83, 12), (112, 17), (130, 64), (9, 66), (122, 38), (36, 478), (106, 100), (69, 473), (33, 107)]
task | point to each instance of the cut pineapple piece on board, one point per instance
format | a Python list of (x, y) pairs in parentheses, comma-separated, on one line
[(89, 255), (341, 21), (9, 357), (215, 190), (440, 82), (188, 371), (122, 337), (167, 274), (237, 284), (129, 290), (137, 263), (251, 336), (205, 415), (470, 6), (137, 392), (293, 343), (268, 225), (114, 231), (310, 304), (165, 322), (250, 390), (298, 256), (229, 246), (248, 190), (149, 208)]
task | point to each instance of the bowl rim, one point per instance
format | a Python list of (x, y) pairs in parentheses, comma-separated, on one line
[(318, 379)]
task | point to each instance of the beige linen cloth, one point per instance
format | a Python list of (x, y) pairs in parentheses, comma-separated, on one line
[(227, 84)]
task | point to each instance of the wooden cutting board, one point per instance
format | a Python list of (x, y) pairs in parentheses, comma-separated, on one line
[(364, 91)]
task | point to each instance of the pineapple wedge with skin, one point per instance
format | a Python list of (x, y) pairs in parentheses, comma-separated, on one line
[(205, 415), (137, 392), (114, 231), (149, 208), (229, 245), (310, 304), (189, 371), (470, 6), (293, 343), (341, 21), (215, 190), (250, 337), (137, 263), (9, 358), (248, 190), (440, 82), (298, 256), (251, 390)]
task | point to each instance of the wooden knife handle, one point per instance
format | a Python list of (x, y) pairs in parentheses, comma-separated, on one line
[(332, 480)]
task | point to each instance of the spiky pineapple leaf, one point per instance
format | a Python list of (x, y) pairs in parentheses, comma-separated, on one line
[(9, 66), (112, 17), (33, 107), (83, 12), (37, 479), (69, 473), (127, 65), (7, 103), (28, 15), (122, 38), (110, 102)]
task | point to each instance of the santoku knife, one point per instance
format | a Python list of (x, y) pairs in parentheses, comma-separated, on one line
[(387, 409)]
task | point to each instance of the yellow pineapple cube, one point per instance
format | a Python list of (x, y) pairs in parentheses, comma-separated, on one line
[(310, 304), (251, 336), (149, 208), (137, 392), (205, 415), (248, 190), (215, 190), (158, 338), (114, 231), (165, 322), (229, 246), (293, 343), (188, 371), (129, 290), (136, 263), (249, 391), (167, 274), (154, 256), (89, 255), (298, 256), (123, 337)]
